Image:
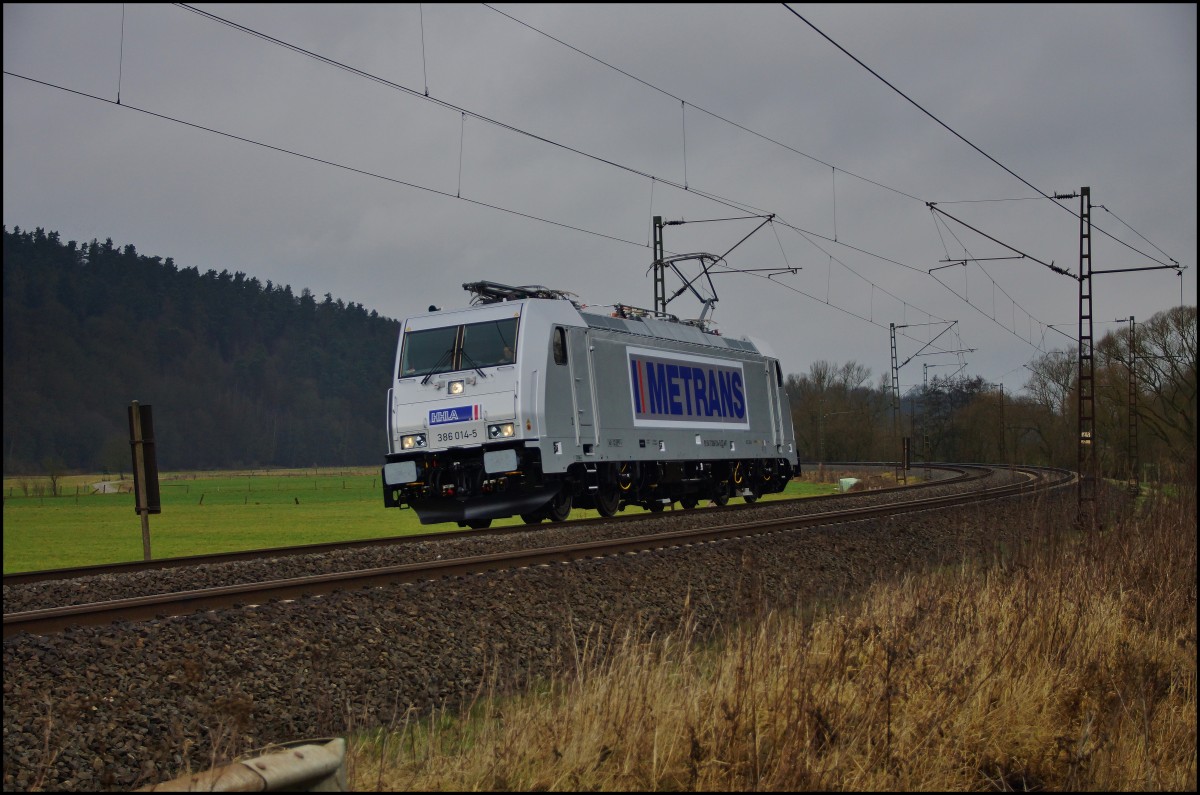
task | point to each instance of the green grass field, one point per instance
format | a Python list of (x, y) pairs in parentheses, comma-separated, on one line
[(214, 512)]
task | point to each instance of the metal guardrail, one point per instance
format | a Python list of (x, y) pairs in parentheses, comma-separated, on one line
[(304, 768)]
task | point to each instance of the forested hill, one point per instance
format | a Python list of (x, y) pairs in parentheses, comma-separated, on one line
[(239, 373)]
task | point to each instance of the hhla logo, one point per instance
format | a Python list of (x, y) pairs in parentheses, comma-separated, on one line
[(455, 414)]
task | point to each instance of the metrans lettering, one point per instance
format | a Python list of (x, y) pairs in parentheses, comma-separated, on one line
[(456, 414), (686, 390)]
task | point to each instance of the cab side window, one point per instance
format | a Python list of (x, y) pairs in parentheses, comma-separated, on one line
[(558, 341)]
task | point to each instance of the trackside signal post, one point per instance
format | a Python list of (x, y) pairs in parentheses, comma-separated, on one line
[(145, 468)]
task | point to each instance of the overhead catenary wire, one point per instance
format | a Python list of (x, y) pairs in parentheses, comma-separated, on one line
[(983, 201), (1050, 265), (462, 142), (780, 244), (324, 161), (833, 186), (424, 69), (412, 92), (968, 143), (1139, 234), (121, 56), (911, 100), (805, 234), (631, 76), (995, 286), (448, 105), (964, 298), (870, 318), (832, 258), (683, 116), (375, 175), (703, 110), (820, 300)]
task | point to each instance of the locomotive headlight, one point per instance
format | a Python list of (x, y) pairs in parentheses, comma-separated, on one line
[(455, 388), (501, 431), (412, 442)]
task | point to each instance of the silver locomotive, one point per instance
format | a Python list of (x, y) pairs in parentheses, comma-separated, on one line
[(529, 403)]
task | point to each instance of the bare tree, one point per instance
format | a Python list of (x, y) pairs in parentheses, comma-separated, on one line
[(1165, 348), (1051, 387), (835, 412), (1051, 380), (54, 470)]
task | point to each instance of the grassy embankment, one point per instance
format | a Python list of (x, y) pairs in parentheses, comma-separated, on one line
[(213, 512), (1068, 664)]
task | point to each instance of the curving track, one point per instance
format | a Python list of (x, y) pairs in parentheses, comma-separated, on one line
[(753, 523), (951, 475)]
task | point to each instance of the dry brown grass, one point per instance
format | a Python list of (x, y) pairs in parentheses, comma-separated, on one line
[(1067, 664)]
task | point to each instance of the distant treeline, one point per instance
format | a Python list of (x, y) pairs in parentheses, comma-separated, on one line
[(245, 374), (239, 373)]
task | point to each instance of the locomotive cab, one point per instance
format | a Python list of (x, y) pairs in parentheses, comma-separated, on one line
[(452, 380), (463, 410)]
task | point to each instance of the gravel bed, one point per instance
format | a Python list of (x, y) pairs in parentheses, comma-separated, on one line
[(105, 587), (111, 708)]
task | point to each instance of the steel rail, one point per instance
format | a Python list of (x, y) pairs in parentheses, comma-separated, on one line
[(128, 567), (149, 607)]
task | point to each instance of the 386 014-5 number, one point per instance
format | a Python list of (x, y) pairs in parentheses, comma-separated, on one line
[(464, 435)]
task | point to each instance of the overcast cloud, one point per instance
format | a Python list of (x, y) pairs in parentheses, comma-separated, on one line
[(1065, 96)]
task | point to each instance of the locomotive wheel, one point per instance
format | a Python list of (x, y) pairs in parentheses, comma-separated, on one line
[(608, 500), (655, 507), (480, 524), (560, 507), (751, 497), (532, 518), (687, 503), (626, 476), (721, 500)]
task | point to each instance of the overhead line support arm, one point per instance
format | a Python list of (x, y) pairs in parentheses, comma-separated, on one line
[(933, 206)]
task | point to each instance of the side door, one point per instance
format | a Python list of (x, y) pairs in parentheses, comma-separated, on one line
[(773, 391), (579, 361)]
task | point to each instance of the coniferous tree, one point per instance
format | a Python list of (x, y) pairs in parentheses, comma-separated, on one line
[(239, 373)]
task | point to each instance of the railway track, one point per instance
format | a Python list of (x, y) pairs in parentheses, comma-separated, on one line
[(130, 567), (51, 620)]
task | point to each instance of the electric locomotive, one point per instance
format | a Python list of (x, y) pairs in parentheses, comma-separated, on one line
[(529, 403)]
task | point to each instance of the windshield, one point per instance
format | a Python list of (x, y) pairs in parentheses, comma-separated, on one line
[(428, 351), (444, 350), (489, 344)]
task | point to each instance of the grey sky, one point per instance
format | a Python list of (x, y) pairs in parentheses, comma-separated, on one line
[(1065, 96)]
